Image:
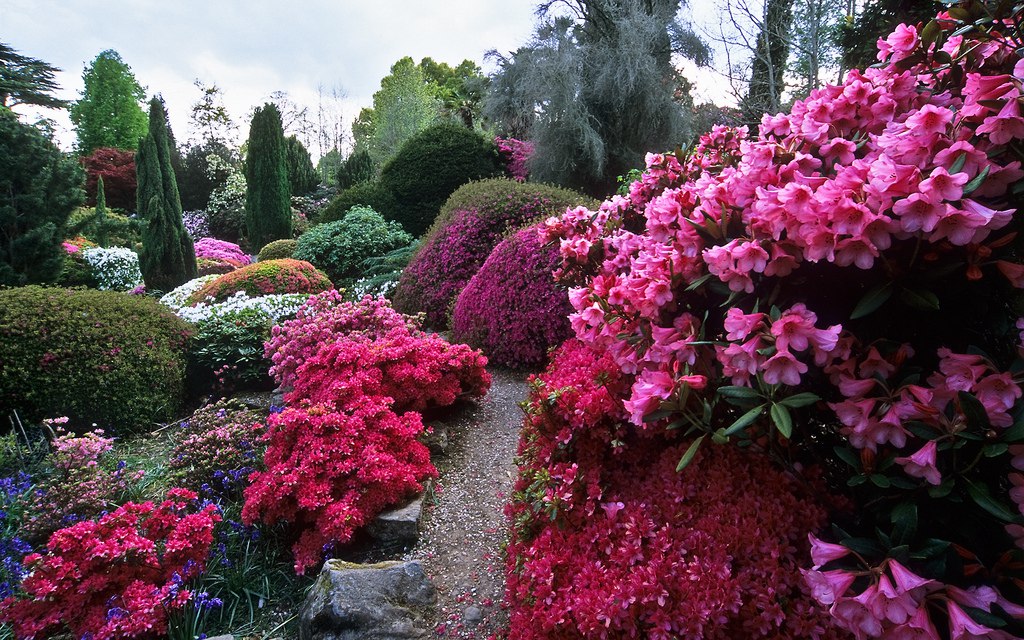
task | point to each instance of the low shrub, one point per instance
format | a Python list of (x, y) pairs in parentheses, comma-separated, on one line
[(472, 222), (115, 269), (178, 297), (339, 248), (275, 307), (264, 278), (322, 319), (82, 483), (512, 309), (116, 229), (208, 267), (214, 249), (97, 357), (429, 167), (363, 194), (116, 577), (277, 250), (216, 449), (380, 274), (76, 271), (227, 351)]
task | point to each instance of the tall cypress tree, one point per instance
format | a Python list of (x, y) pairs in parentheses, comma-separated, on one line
[(268, 214), (302, 175), (168, 257), (101, 214)]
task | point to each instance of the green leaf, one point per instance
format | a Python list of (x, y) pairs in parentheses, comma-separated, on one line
[(984, 617), (959, 163), (904, 520), (800, 400), (688, 456), (783, 421), (857, 480), (974, 411), (973, 185), (738, 392), (847, 456), (931, 548), (880, 480), (1016, 432), (745, 420), (922, 299), (872, 300), (981, 496), (696, 284), (995, 449), (930, 32)]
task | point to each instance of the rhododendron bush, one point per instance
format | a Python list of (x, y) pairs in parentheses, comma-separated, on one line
[(116, 577), (512, 308), (346, 447), (840, 291)]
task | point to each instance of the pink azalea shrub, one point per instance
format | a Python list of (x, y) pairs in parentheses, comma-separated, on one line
[(516, 155), (84, 482), (115, 577), (473, 221), (346, 447), (214, 249), (511, 308), (843, 289), (322, 319), (265, 278), (602, 551)]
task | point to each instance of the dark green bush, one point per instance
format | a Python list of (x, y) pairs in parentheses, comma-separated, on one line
[(429, 167), (227, 352), (339, 248), (100, 357), (366, 194), (277, 250)]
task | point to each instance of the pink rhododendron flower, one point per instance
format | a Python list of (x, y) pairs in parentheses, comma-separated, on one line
[(922, 464)]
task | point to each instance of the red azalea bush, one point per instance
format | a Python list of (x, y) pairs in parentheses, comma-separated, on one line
[(332, 470), (415, 371), (599, 550), (842, 289), (512, 308), (116, 577), (264, 278), (472, 222), (322, 319)]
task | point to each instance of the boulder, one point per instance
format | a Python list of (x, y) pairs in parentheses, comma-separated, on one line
[(384, 601), (399, 526), (436, 439)]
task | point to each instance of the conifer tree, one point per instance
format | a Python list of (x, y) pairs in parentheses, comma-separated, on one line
[(168, 257), (302, 175), (268, 214), (101, 214)]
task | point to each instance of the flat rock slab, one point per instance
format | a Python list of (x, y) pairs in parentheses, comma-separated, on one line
[(384, 601), (399, 526)]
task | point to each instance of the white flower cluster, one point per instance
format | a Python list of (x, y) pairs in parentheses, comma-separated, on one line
[(116, 268), (277, 307), (177, 298)]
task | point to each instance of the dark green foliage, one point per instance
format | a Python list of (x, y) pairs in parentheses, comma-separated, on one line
[(877, 20), (429, 167), (356, 168), (39, 188), (198, 179), (168, 257), (25, 80), (277, 250), (596, 89), (302, 175), (339, 248), (99, 357), (227, 352), (108, 113), (267, 200), (764, 92), (120, 230), (366, 194), (380, 274), (102, 224)]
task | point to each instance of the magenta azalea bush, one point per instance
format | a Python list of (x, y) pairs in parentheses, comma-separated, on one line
[(516, 155), (473, 221), (841, 291), (512, 309), (214, 249)]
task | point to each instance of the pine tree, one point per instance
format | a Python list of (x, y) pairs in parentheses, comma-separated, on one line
[(268, 214), (101, 214), (168, 257)]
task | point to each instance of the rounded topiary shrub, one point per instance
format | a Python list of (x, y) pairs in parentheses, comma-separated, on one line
[(264, 278), (277, 250), (472, 222), (429, 167), (512, 309), (100, 357), (366, 194), (339, 248)]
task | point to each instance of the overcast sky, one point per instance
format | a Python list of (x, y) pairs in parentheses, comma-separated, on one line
[(253, 48)]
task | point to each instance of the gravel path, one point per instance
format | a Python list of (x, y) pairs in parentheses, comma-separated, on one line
[(464, 530)]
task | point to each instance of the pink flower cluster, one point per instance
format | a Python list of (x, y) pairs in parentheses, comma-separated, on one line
[(116, 577), (511, 308), (346, 447), (601, 550), (214, 249), (516, 154)]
